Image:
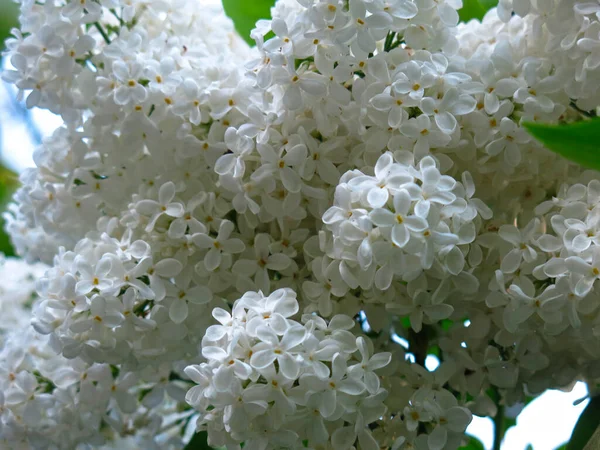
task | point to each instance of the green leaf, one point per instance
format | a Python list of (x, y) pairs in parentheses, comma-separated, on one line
[(562, 447), (405, 321), (578, 142), (245, 13), (475, 9), (509, 422), (5, 244), (446, 324), (9, 12), (435, 351), (586, 425), (198, 442), (8, 184), (473, 444)]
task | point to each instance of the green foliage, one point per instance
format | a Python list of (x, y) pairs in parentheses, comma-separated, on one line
[(578, 142), (8, 184), (586, 425), (8, 18), (245, 13), (473, 444), (446, 324), (405, 322), (198, 442), (475, 9), (509, 422), (5, 245), (8, 181)]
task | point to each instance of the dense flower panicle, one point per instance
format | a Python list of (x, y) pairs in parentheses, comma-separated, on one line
[(273, 219), (264, 371), (51, 402), (402, 221), (17, 293)]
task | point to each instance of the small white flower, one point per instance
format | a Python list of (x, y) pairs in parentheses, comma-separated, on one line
[(262, 262), (93, 277), (223, 243), (284, 167), (521, 240), (399, 220), (164, 206), (270, 348), (418, 306), (508, 143), (129, 89), (233, 163), (412, 79), (183, 292), (444, 111), (369, 363), (424, 134), (585, 272)]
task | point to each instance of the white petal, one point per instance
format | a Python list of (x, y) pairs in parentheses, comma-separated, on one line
[(178, 311), (377, 197), (293, 336), (343, 438), (382, 217), (166, 193), (262, 358), (437, 438), (288, 366), (446, 122), (400, 235), (168, 268), (351, 386)]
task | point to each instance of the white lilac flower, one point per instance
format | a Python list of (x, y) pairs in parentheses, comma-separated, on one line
[(221, 244), (270, 388), (165, 205), (369, 155)]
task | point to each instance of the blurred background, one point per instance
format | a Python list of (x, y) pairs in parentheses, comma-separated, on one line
[(8, 179), (545, 423)]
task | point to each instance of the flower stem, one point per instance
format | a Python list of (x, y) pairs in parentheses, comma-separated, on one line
[(499, 427), (102, 32), (589, 114), (388, 41), (114, 13)]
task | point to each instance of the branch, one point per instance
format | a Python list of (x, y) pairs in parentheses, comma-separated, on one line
[(589, 114), (418, 344), (498, 427)]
